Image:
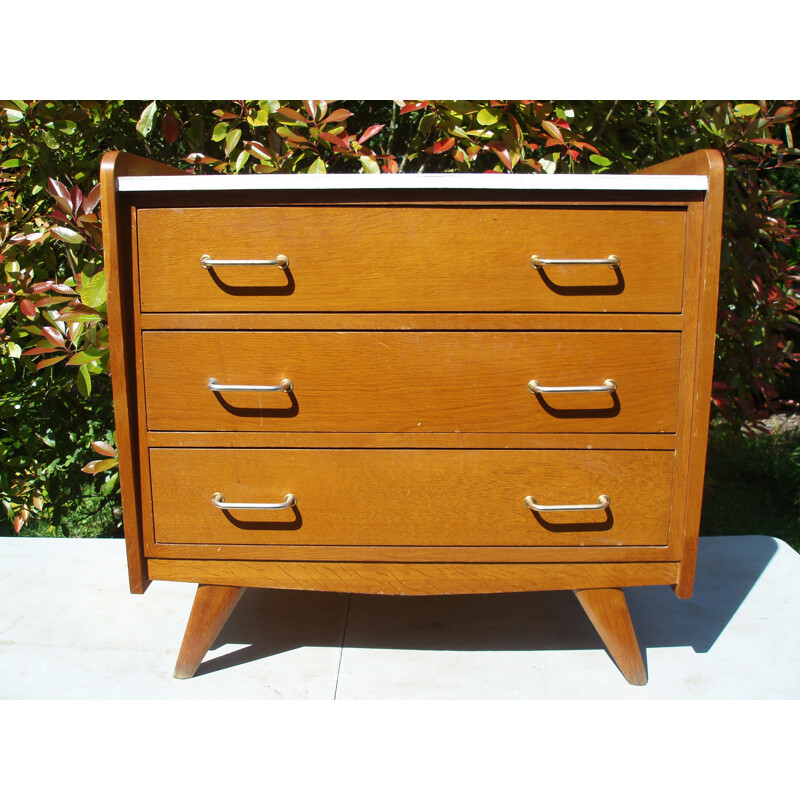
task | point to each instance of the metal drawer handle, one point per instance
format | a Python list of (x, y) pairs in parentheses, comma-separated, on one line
[(282, 262), (608, 386), (602, 502), (219, 501), (537, 262), (285, 386)]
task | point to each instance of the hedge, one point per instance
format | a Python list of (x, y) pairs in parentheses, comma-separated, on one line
[(56, 423)]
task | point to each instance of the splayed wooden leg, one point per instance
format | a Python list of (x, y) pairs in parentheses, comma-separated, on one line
[(608, 612), (210, 611)]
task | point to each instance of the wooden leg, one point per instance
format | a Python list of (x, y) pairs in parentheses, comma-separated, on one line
[(211, 609), (608, 611)]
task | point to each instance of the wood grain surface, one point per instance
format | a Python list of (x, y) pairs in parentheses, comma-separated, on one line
[(699, 359), (407, 321), (411, 497), (412, 579), (448, 441), (607, 610), (411, 381), (210, 611), (122, 311), (411, 259)]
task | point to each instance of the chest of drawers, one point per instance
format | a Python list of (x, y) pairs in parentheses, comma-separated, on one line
[(427, 384)]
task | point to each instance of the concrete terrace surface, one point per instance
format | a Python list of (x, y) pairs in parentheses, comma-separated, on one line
[(70, 629)]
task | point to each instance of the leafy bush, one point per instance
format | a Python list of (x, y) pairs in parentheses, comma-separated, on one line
[(758, 307), (53, 341), (753, 485)]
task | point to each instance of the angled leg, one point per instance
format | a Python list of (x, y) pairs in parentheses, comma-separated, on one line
[(210, 611), (608, 612)]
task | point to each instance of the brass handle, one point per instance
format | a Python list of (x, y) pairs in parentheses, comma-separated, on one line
[(206, 262), (536, 388), (537, 262), (602, 502), (284, 386), (219, 501)]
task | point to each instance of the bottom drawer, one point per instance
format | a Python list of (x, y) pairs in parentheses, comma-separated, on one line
[(410, 497)]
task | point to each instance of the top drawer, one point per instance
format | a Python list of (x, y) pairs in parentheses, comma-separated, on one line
[(411, 258)]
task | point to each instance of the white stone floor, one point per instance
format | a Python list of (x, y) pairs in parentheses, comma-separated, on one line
[(69, 629)]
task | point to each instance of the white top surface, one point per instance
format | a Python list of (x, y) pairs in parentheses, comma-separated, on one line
[(466, 181)]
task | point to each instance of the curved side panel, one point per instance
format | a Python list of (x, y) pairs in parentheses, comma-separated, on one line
[(116, 216), (710, 163)]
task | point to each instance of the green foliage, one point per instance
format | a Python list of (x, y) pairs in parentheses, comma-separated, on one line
[(56, 403), (758, 311), (47, 428), (753, 485)]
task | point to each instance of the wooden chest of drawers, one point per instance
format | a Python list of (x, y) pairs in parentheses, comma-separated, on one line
[(412, 384)]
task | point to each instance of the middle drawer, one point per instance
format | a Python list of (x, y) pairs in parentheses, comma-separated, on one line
[(406, 381)]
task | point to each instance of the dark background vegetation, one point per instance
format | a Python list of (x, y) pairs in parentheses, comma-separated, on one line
[(57, 446)]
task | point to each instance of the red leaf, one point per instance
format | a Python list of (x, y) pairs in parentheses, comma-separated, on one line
[(40, 287), (343, 142), (170, 127), (18, 523), (767, 141), (57, 189), (586, 146), (553, 130), (27, 308), (258, 150), (339, 115), (290, 135), (48, 362), (443, 145), (311, 107), (104, 449), (37, 351), (94, 467), (502, 153), (54, 336), (76, 197), (50, 301), (409, 107), (91, 199), (369, 133), (533, 164), (290, 113), (61, 195), (199, 158), (80, 308)]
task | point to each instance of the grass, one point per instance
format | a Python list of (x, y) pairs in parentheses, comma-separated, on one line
[(753, 486)]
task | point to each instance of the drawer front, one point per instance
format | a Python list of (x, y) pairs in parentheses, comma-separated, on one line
[(387, 258), (401, 381), (411, 497)]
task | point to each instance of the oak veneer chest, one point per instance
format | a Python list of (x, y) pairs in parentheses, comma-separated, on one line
[(425, 384)]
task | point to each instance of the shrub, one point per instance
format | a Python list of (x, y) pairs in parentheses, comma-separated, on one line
[(53, 341), (758, 310)]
